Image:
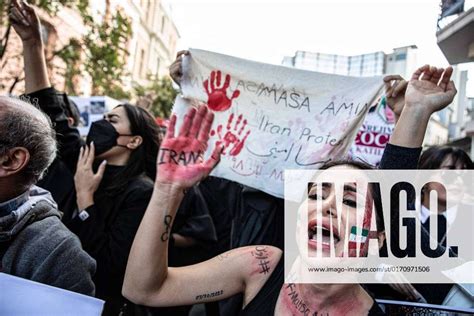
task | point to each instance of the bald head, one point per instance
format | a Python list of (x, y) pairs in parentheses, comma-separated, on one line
[(23, 126)]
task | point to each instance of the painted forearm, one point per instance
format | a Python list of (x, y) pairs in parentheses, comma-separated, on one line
[(411, 127), (36, 74), (147, 267)]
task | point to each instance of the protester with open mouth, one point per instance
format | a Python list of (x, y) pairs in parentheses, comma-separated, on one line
[(257, 271)]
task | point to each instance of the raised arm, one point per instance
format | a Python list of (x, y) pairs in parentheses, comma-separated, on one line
[(429, 90), (148, 280), (26, 23), (176, 68), (395, 87)]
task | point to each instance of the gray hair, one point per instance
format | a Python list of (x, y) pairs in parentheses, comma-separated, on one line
[(24, 125)]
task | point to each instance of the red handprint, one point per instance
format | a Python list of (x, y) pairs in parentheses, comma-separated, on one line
[(217, 95), (232, 136)]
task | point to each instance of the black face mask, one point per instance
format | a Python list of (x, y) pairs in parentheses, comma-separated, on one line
[(104, 136)]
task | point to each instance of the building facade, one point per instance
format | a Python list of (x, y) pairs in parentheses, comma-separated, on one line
[(403, 61), (151, 48), (456, 41)]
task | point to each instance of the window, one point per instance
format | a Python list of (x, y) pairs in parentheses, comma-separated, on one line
[(148, 12), (142, 62), (163, 22), (402, 56), (158, 66)]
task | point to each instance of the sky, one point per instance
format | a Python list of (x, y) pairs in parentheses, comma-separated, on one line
[(268, 30)]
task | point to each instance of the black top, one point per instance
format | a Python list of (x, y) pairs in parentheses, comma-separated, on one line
[(396, 157), (107, 235)]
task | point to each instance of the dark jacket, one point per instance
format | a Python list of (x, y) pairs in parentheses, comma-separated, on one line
[(37, 246), (107, 235)]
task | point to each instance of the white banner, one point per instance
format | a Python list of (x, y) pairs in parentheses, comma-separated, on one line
[(271, 118)]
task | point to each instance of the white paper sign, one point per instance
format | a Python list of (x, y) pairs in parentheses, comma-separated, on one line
[(271, 118), (24, 297)]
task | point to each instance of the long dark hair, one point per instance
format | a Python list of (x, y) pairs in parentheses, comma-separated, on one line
[(143, 159), (433, 157)]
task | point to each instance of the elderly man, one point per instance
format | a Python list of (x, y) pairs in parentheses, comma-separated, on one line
[(34, 244)]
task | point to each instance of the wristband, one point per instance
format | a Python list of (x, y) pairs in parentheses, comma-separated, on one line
[(83, 215)]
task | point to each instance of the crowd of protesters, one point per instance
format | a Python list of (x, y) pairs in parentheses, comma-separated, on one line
[(99, 216)]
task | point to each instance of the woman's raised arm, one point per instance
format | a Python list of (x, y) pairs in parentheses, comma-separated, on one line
[(148, 280)]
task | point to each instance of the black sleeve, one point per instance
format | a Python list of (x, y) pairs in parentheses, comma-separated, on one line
[(53, 103), (110, 243), (397, 157), (193, 218)]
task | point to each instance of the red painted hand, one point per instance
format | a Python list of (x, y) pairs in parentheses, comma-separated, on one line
[(232, 136), (180, 159), (217, 96)]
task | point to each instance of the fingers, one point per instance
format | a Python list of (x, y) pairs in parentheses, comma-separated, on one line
[(227, 82), (218, 78), (188, 119), (197, 122), (18, 17), (239, 119), (206, 128), (91, 155), (212, 162), (416, 75), (175, 71), (81, 156), (235, 94), (428, 73), (444, 81), (400, 87), (171, 127), (101, 170), (213, 78), (414, 294), (243, 127), (206, 86), (28, 9), (181, 53), (229, 121), (389, 78), (86, 156), (391, 82), (451, 90), (176, 67), (437, 75)]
